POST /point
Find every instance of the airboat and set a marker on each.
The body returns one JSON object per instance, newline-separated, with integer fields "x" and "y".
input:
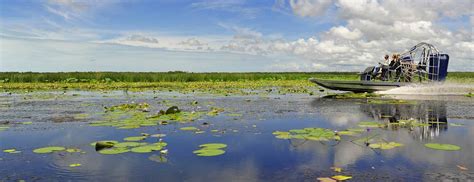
{"x": 423, "y": 63}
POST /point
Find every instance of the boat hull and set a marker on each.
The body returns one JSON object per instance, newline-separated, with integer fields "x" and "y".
{"x": 357, "y": 86}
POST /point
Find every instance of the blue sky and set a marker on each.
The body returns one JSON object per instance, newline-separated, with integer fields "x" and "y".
{"x": 226, "y": 35}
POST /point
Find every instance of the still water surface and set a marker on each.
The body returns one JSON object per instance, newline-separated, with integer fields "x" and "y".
{"x": 253, "y": 152}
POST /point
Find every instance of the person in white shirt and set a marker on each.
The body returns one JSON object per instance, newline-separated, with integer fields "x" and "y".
{"x": 385, "y": 65}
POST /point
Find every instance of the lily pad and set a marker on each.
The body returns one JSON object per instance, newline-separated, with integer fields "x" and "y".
{"x": 385, "y": 145}
{"x": 341, "y": 177}
{"x": 147, "y": 148}
{"x": 129, "y": 144}
{"x": 114, "y": 150}
{"x": 190, "y": 128}
{"x": 213, "y": 145}
{"x": 208, "y": 152}
{"x": 135, "y": 138}
{"x": 75, "y": 165}
{"x": 11, "y": 151}
{"x": 350, "y": 133}
{"x": 442, "y": 146}
{"x": 46, "y": 150}
{"x": 158, "y": 135}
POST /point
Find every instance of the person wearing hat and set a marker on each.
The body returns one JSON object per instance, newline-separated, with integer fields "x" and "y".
{"x": 385, "y": 65}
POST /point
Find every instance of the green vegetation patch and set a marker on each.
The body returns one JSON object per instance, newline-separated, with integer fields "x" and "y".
{"x": 385, "y": 145}
{"x": 11, "y": 151}
{"x": 316, "y": 134}
{"x": 46, "y": 150}
{"x": 442, "y": 146}
{"x": 128, "y": 107}
{"x": 189, "y": 128}
{"x": 135, "y": 138}
{"x": 370, "y": 124}
{"x": 210, "y": 149}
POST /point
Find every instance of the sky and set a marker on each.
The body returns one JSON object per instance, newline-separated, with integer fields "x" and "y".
{"x": 227, "y": 35}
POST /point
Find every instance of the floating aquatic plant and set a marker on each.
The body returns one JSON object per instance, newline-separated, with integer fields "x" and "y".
{"x": 317, "y": 134}
{"x": 189, "y": 128}
{"x": 46, "y": 150}
{"x": 129, "y": 144}
{"x": 114, "y": 150}
{"x": 135, "y": 138}
{"x": 149, "y": 148}
{"x": 341, "y": 177}
{"x": 128, "y": 107}
{"x": 215, "y": 111}
{"x": 385, "y": 145}
{"x": 210, "y": 149}
{"x": 11, "y": 151}
{"x": 442, "y": 146}
{"x": 75, "y": 165}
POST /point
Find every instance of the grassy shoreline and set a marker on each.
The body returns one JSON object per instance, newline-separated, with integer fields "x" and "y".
{"x": 186, "y": 82}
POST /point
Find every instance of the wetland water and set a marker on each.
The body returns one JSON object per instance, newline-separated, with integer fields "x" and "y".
{"x": 39, "y": 119}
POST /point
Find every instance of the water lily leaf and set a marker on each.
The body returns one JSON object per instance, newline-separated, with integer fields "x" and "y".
{"x": 75, "y": 165}
{"x": 11, "y": 151}
{"x": 213, "y": 145}
{"x": 341, "y": 177}
{"x": 215, "y": 111}
{"x": 350, "y": 133}
{"x": 358, "y": 130}
{"x": 298, "y": 131}
{"x": 135, "y": 138}
{"x": 385, "y": 145}
{"x": 190, "y": 128}
{"x": 114, "y": 150}
{"x": 158, "y": 135}
{"x": 129, "y": 144}
{"x": 326, "y": 179}
{"x": 46, "y": 150}
{"x": 441, "y": 146}
{"x": 129, "y": 127}
{"x": 208, "y": 152}
{"x": 370, "y": 124}
{"x": 337, "y": 169}
{"x": 147, "y": 148}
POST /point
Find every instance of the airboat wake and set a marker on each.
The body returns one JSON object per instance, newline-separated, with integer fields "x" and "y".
{"x": 422, "y": 64}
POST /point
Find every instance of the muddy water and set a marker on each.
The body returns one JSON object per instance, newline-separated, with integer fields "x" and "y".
{"x": 246, "y": 126}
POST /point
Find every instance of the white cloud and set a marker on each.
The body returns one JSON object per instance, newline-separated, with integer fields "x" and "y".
{"x": 343, "y": 32}
{"x": 310, "y": 7}
{"x": 372, "y": 29}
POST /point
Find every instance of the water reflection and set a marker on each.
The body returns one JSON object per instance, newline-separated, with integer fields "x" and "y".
{"x": 431, "y": 117}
